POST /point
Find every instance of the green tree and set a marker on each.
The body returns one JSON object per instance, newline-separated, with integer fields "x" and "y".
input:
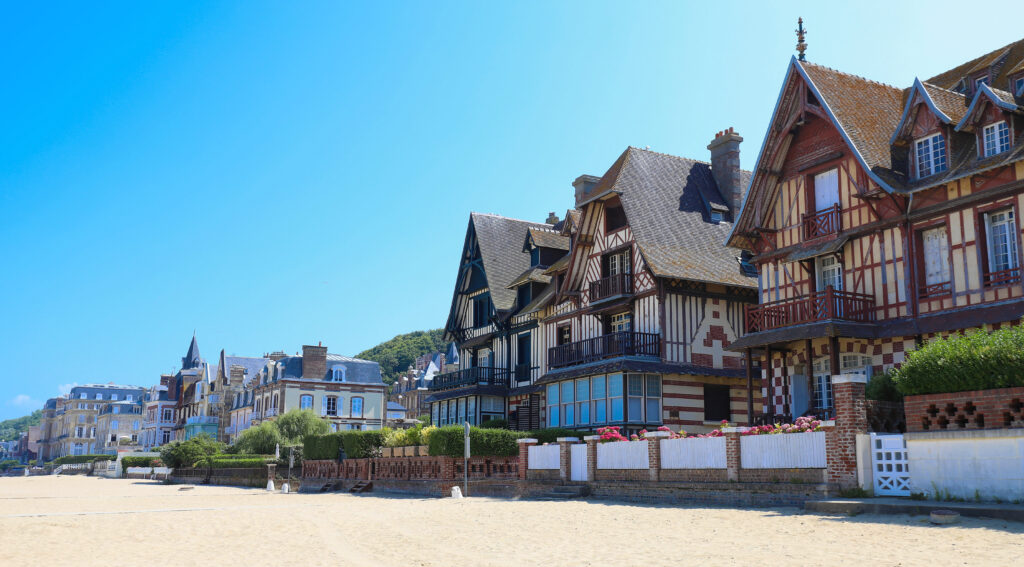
{"x": 11, "y": 429}
{"x": 297, "y": 424}
{"x": 395, "y": 355}
{"x": 189, "y": 453}
{"x": 260, "y": 440}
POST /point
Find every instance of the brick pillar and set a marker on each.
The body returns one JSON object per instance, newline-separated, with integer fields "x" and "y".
{"x": 564, "y": 457}
{"x": 654, "y": 453}
{"x": 733, "y": 462}
{"x": 592, "y": 441}
{"x": 851, "y": 420}
{"x": 524, "y": 456}
{"x": 448, "y": 468}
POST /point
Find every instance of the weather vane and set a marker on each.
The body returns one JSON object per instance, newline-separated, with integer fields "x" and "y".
{"x": 801, "y": 45}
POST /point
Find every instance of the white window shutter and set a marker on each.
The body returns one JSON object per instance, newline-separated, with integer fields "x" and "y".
{"x": 323, "y": 407}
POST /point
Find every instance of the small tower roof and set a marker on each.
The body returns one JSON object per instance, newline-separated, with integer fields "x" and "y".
{"x": 192, "y": 358}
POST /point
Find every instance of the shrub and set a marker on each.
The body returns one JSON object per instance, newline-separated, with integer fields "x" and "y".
{"x": 448, "y": 441}
{"x": 187, "y": 453}
{"x": 262, "y": 439}
{"x": 495, "y": 424}
{"x": 357, "y": 444}
{"x": 978, "y": 360}
{"x": 551, "y": 434}
{"x": 881, "y": 387}
{"x": 296, "y": 424}
{"x": 799, "y": 425}
{"x": 394, "y": 438}
{"x": 7, "y": 464}
{"x": 248, "y": 463}
{"x": 139, "y": 462}
{"x": 77, "y": 459}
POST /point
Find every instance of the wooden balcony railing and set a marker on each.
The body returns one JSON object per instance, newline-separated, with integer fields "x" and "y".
{"x": 821, "y": 223}
{"x": 1002, "y": 277}
{"x": 619, "y": 284}
{"x": 625, "y": 343}
{"x": 524, "y": 372}
{"x": 488, "y": 375}
{"x": 935, "y": 290}
{"x": 818, "y": 306}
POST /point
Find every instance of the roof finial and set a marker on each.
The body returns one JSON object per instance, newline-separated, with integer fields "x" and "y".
{"x": 801, "y": 45}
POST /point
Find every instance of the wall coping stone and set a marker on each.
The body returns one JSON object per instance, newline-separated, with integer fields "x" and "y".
{"x": 650, "y": 434}
{"x": 849, "y": 379}
{"x": 962, "y": 434}
{"x": 591, "y": 437}
{"x": 568, "y": 440}
{"x": 735, "y": 429}
{"x": 534, "y": 441}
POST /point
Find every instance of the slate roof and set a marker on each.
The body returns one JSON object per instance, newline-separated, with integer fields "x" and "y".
{"x": 1014, "y": 56}
{"x": 252, "y": 366}
{"x": 952, "y": 104}
{"x": 501, "y": 247}
{"x": 548, "y": 239}
{"x": 661, "y": 195}
{"x": 357, "y": 371}
{"x": 192, "y": 358}
{"x": 395, "y": 406}
{"x": 531, "y": 275}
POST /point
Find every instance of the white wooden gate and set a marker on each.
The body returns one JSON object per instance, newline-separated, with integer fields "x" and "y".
{"x": 578, "y": 462}
{"x": 889, "y": 465}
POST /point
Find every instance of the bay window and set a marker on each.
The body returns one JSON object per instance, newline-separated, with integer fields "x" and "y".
{"x": 615, "y": 404}
{"x": 568, "y": 408}
{"x": 583, "y": 401}
{"x": 599, "y": 403}
{"x": 552, "y": 399}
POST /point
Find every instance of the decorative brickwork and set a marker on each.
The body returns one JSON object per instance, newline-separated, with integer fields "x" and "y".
{"x": 982, "y": 409}
{"x": 851, "y": 420}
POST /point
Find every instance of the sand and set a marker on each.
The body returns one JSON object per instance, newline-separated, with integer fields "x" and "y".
{"x": 92, "y": 521}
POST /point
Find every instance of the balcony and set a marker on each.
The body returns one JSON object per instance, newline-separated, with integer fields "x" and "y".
{"x": 202, "y": 420}
{"x": 821, "y": 223}
{"x": 612, "y": 286}
{"x": 818, "y": 306}
{"x": 487, "y": 375}
{"x": 525, "y": 372}
{"x": 624, "y": 343}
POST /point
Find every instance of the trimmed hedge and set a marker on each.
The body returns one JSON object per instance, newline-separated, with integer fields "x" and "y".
{"x": 139, "y": 462}
{"x": 495, "y": 424}
{"x": 78, "y": 459}
{"x": 551, "y": 434}
{"x": 358, "y": 445}
{"x": 250, "y": 463}
{"x": 977, "y": 360}
{"x": 448, "y": 442}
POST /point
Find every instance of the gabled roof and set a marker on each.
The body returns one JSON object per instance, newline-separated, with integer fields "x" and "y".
{"x": 501, "y": 248}
{"x": 192, "y": 358}
{"x": 547, "y": 239}
{"x": 1011, "y": 56}
{"x": 252, "y": 366}
{"x": 536, "y": 274}
{"x": 663, "y": 197}
{"x": 1000, "y": 98}
{"x": 947, "y": 106}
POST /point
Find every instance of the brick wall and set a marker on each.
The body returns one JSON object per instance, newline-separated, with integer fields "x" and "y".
{"x": 983, "y": 409}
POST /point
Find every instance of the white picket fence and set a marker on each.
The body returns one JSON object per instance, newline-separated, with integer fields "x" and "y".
{"x": 543, "y": 457}
{"x": 783, "y": 451}
{"x": 623, "y": 455}
{"x": 693, "y": 453}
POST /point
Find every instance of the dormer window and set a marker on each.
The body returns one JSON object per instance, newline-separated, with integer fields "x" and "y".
{"x": 534, "y": 257}
{"x": 996, "y": 138}
{"x": 980, "y": 81}
{"x": 614, "y": 218}
{"x": 1018, "y": 84}
{"x": 931, "y": 155}
{"x": 716, "y": 217}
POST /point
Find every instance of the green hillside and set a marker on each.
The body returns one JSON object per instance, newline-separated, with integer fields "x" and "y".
{"x": 11, "y": 429}
{"x": 395, "y": 355}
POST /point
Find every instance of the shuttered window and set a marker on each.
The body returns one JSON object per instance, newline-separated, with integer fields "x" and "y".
{"x": 936, "y": 255}
{"x": 826, "y": 190}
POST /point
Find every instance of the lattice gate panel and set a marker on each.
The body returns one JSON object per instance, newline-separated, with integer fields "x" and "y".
{"x": 889, "y": 465}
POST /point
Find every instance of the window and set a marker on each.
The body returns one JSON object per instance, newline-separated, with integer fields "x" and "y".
{"x": 113, "y": 397}
{"x": 716, "y": 217}
{"x": 461, "y": 412}
{"x": 331, "y": 405}
{"x": 357, "y": 407}
{"x": 99, "y": 396}
{"x": 81, "y": 418}
{"x": 1018, "y": 85}
{"x": 82, "y": 396}
{"x": 996, "y": 138}
{"x": 491, "y": 407}
{"x": 524, "y": 294}
{"x": 568, "y": 407}
{"x": 936, "y": 260}
{"x": 617, "y": 263}
{"x": 826, "y": 190}
{"x": 931, "y": 155}
{"x": 615, "y": 404}
{"x": 115, "y": 424}
{"x": 433, "y": 413}
{"x": 168, "y": 415}
{"x": 564, "y": 334}
{"x": 306, "y": 402}
{"x": 471, "y": 410}
{"x": 614, "y": 218}
{"x": 129, "y": 397}
{"x": 481, "y": 310}
{"x": 583, "y": 401}
{"x": 716, "y": 402}
{"x": 135, "y": 425}
{"x": 1002, "y": 241}
{"x": 165, "y": 438}
{"x": 635, "y": 404}
{"x": 621, "y": 322}
{"x": 553, "y": 407}
{"x": 599, "y": 403}
{"x": 652, "y": 401}
{"x": 451, "y": 411}
{"x": 338, "y": 373}
{"x": 830, "y": 273}
{"x": 534, "y": 257}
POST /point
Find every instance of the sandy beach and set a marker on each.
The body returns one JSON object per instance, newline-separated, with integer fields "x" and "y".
{"x": 93, "y": 521}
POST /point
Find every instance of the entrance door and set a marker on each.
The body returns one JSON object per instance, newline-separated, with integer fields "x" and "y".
{"x": 889, "y": 467}
{"x": 801, "y": 395}
{"x": 578, "y": 462}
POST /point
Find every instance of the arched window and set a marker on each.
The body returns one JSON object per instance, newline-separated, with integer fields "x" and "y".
{"x": 257, "y": 406}
{"x": 338, "y": 373}
{"x": 274, "y": 405}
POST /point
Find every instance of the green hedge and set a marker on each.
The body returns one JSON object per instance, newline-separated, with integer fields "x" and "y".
{"x": 252, "y": 462}
{"x": 77, "y": 459}
{"x": 358, "y": 445}
{"x": 448, "y": 441}
{"x": 882, "y": 387}
{"x": 978, "y": 360}
{"x": 139, "y": 462}
{"x": 551, "y": 434}
{"x": 495, "y": 424}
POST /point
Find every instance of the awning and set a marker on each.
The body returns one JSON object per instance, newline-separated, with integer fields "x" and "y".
{"x": 828, "y": 247}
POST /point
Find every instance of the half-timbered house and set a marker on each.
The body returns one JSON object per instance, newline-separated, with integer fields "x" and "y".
{"x": 637, "y": 318}
{"x": 880, "y": 217}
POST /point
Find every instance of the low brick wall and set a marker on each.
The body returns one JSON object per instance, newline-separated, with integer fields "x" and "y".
{"x": 622, "y": 474}
{"x": 981, "y": 409}
{"x": 694, "y": 475}
{"x": 715, "y": 494}
{"x": 252, "y": 477}
{"x": 543, "y": 474}
{"x": 797, "y": 476}
{"x": 413, "y": 468}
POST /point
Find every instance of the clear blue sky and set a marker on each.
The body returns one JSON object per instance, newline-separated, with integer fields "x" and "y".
{"x": 274, "y": 174}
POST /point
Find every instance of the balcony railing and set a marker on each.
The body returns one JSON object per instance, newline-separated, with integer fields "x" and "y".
{"x": 1002, "y": 277}
{"x": 524, "y": 372}
{"x": 619, "y": 284}
{"x": 818, "y": 306}
{"x": 202, "y": 420}
{"x": 821, "y": 223}
{"x": 470, "y": 377}
{"x": 936, "y": 290}
{"x": 624, "y": 343}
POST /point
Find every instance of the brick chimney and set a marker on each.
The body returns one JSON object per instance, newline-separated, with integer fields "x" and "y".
{"x": 237, "y": 374}
{"x": 276, "y": 355}
{"x": 583, "y": 185}
{"x": 552, "y": 218}
{"x": 314, "y": 362}
{"x": 725, "y": 167}
{"x": 165, "y": 379}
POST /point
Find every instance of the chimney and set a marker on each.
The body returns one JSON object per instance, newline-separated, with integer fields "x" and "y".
{"x": 725, "y": 167}
{"x": 276, "y": 355}
{"x": 584, "y": 184}
{"x": 237, "y": 374}
{"x": 165, "y": 379}
{"x": 314, "y": 362}
{"x": 552, "y": 218}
